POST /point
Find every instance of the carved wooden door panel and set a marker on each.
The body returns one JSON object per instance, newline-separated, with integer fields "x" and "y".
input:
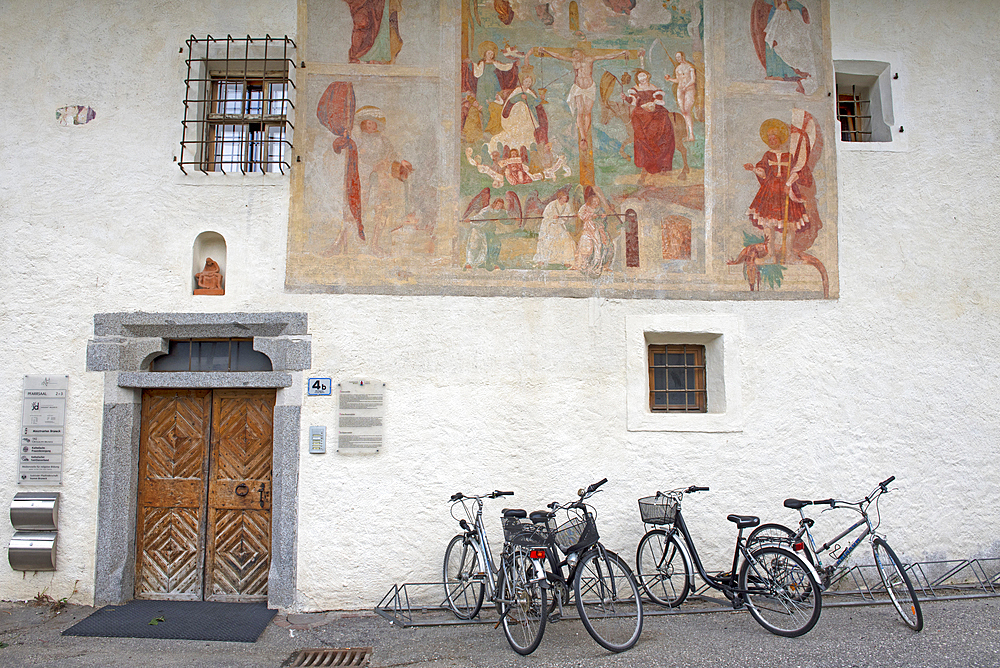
{"x": 204, "y": 512}
{"x": 239, "y": 496}
{"x": 173, "y": 466}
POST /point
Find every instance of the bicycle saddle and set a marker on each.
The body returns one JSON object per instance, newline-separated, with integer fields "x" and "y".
{"x": 744, "y": 521}
{"x": 540, "y": 516}
{"x": 514, "y": 513}
{"x": 796, "y": 504}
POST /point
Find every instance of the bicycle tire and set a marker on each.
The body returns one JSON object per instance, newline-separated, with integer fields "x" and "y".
{"x": 521, "y": 604}
{"x": 608, "y": 600}
{"x": 464, "y": 588}
{"x": 897, "y": 585}
{"x": 782, "y": 593}
{"x": 773, "y": 533}
{"x": 662, "y": 569}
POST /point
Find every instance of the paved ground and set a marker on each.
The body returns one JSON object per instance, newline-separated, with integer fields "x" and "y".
{"x": 958, "y": 633}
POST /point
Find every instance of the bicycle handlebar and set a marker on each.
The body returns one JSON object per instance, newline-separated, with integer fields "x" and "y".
{"x": 886, "y": 482}
{"x": 496, "y": 494}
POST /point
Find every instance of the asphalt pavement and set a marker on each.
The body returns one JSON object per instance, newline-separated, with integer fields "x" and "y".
{"x": 962, "y": 633}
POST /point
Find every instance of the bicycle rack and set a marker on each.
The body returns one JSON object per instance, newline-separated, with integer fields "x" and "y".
{"x": 422, "y": 603}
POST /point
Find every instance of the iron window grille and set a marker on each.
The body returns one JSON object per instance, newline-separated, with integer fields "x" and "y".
{"x": 237, "y": 105}
{"x": 211, "y": 355}
{"x": 853, "y": 112}
{"x": 677, "y": 381}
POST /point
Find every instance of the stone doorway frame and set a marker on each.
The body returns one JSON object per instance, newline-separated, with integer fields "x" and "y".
{"x": 123, "y": 346}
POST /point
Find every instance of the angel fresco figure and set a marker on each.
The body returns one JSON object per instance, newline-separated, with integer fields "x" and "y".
{"x": 781, "y": 37}
{"x": 375, "y": 35}
{"x": 482, "y": 250}
{"x": 784, "y": 208}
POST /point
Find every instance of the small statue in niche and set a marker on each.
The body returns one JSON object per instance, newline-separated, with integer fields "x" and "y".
{"x": 210, "y": 280}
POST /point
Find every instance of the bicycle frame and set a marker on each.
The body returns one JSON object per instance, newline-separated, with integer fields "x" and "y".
{"x": 722, "y": 584}
{"x": 480, "y": 542}
{"x": 846, "y": 553}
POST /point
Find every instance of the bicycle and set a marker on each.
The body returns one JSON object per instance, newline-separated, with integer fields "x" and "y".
{"x": 521, "y": 582}
{"x": 605, "y": 590}
{"x": 781, "y": 591}
{"x": 469, "y": 569}
{"x": 894, "y": 578}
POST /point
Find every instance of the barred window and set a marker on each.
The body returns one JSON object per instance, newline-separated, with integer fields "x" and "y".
{"x": 211, "y": 355}
{"x": 236, "y": 111}
{"x": 677, "y": 379}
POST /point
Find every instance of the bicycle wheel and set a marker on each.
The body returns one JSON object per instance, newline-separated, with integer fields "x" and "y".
{"x": 776, "y": 534}
{"x": 607, "y": 598}
{"x": 781, "y": 591}
{"x": 897, "y": 585}
{"x": 661, "y": 568}
{"x": 521, "y": 603}
{"x": 463, "y": 578}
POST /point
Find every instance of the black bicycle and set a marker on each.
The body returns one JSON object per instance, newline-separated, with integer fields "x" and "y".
{"x": 781, "y": 590}
{"x": 606, "y": 593}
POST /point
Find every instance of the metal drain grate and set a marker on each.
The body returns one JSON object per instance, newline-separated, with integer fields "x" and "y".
{"x": 327, "y": 656}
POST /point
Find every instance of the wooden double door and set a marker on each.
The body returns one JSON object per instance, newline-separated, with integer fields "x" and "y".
{"x": 203, "y": 529}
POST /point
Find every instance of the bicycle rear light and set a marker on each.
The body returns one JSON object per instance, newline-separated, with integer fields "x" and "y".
{"x": 537, "y": 553}
{"x": 799, "y": 546}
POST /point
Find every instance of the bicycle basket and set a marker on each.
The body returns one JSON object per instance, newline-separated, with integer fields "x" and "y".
{"x": 577, "y": 534}
{"x": 660, "y": 509}
{"x": 523, "y": 533}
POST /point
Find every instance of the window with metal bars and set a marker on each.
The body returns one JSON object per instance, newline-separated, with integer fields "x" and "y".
{"x": 211, "y": 355}
{"x": 237, "y": 107}
{"x": 854, "y": 113}
{"x": 677, "y": 379}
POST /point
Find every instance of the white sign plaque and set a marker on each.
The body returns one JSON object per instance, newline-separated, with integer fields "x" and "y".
{"x": 43, "y": 430}
{"x": 360, "y": 415}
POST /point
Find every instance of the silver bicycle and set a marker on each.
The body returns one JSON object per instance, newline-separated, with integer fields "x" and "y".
{"x": 470, "y": 573}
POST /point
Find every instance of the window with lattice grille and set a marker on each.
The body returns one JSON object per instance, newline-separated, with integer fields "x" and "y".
{"x": 677, "y": 381}
{"x": 238, "y": 105}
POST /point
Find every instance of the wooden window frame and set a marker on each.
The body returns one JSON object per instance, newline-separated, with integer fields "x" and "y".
{"x": 690, "y": 371}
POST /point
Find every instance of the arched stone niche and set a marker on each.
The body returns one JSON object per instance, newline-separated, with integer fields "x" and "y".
{"x": 208, "y": 259}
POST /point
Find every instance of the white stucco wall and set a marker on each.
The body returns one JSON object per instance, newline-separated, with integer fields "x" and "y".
{"x": 896, "y": 377}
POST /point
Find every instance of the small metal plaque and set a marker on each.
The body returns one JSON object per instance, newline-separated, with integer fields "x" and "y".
{"x": 360, "y": 414}
{"x": 317, "y": 440}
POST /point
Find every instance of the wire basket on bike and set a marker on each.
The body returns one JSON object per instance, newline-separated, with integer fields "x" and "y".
{"x": 660, "y": 509}
{"x": 524, "y": 533}
{"x": 577, "y": 534}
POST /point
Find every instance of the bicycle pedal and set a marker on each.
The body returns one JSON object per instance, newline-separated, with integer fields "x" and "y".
{"x": 555, "y": 618}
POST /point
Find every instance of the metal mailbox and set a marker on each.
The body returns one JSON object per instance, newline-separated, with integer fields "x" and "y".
{"x": 35, "y": 516}
{"x": 35, "y": 511}
{"x": 32, "y": 551}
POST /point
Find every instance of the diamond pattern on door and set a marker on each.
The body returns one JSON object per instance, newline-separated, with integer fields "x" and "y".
{"x": 239, "y": 508}
{"x": 171, "y": 509}
{"x": 204, "y": 512}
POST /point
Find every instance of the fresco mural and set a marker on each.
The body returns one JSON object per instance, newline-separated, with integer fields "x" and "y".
{"x": 560, "y": 149}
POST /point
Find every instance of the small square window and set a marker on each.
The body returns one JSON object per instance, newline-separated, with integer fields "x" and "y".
{"x": 677, "y": 381}
{"x": 864, "y": 101}
{"x": 236, "y": 113}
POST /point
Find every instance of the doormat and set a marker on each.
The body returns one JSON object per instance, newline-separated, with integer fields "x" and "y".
{"x": 177, "y": 620}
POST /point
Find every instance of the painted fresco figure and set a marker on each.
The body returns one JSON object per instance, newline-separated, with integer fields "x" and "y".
{"x": 492, "y": 78}
{"x": 375, "y": 36}
{"x": 483, "y": 248}
{"x": 383, "y": 180}
{"x": 685, "y": 78}
{"x": 594, "y": 251}
{"x": 555, "y": 244}
{"x": 522, "y": 117}
{"x": 652, "y": 130}
{"x": 780, "y": 33}
{"x": 583, "y": 92}
{"x": 784, "y": 208}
